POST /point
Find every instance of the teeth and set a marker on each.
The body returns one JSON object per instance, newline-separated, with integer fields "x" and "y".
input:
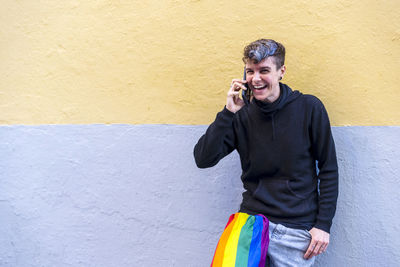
{"x": 258, "y": 87}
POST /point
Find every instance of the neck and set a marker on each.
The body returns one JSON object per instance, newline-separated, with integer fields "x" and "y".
{"x": 274, "y": 96}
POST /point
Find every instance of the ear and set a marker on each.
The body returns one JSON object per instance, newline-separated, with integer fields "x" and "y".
{"x": 283, "y": 70}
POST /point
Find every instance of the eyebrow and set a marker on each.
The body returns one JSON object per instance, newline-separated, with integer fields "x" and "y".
{"x": 266, "y": 67}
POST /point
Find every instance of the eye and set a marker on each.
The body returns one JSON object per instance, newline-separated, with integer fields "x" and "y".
{"x": 264, "y": 71}
{"x": 249, "y": 71}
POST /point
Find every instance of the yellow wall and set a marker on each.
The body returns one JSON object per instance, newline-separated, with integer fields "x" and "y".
{"x": 78, "y": 62}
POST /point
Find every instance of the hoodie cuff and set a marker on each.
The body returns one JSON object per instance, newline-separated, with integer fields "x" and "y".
{"x": 324, "y": 225}
{"x": 227, "y": 112}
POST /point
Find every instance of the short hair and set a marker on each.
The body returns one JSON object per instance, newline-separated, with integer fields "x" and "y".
{"x": 263, "y": 48}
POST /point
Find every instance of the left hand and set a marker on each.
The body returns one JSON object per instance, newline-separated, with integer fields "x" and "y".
{"x": 319, "y": 243}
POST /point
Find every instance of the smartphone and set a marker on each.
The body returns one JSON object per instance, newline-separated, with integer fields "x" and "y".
{"x": 246, "y": 94}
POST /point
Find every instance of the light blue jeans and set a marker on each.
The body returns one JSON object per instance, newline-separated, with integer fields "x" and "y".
{"x": 287, "y": 246}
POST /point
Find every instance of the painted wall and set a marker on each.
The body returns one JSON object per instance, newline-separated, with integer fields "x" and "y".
{"x": 125, "y": 195}
{"x": 172, "y": 61}
{"x": 101, "y": 103}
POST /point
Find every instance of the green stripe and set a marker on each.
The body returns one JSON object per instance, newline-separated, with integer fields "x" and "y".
{"x": 243, "y": 248}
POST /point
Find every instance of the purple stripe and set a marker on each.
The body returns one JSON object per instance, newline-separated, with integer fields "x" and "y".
{"x": 264, "y": 241}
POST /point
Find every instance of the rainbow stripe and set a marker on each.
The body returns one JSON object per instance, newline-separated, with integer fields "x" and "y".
{"x": 244, "y": 242}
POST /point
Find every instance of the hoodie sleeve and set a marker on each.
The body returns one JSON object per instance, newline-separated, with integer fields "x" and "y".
{"x": 324, "y": 152}
{"x": 217, "y": 142}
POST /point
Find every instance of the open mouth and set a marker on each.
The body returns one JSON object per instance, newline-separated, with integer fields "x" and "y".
{"x": 259, "y": 87}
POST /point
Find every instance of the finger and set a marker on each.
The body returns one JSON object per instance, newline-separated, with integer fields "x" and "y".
{"x": 313, "y": 249}
{"x": 233, "y": 93}
{"x": 317, "y": 248}
{"x": 309, "y": 250}
{"x": 234, "y": 97}
{"x": 239, "y": 80}
{"x": 237, "y": 86}
{"x": 323, "y": 248}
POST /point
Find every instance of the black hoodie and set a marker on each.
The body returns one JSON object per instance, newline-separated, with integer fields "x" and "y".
{"x": 279, "y": 144}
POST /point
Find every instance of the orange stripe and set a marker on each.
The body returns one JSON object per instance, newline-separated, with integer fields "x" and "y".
{"x": 219, "y": 251}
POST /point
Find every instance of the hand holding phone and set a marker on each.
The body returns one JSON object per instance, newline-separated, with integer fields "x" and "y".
{"x": 233, "y": 101}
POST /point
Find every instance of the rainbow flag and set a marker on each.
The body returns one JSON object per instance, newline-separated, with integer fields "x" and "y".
{"x": 244, "y": 242}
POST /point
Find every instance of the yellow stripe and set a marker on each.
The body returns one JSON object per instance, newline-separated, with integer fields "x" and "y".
{"x": 231, "y": 247}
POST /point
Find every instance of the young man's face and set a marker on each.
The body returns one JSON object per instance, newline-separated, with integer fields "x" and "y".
{"x": 263, "y": 79}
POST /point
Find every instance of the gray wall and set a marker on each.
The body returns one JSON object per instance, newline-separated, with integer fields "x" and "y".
{"x": 126, "y": 195}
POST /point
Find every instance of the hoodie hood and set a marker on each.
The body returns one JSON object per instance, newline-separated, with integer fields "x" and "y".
{"x": 286, "y": 96}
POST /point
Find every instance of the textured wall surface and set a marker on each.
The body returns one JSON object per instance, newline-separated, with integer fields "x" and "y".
{"x": 172, "y": 61}
{"x": 84, "y": 183}
{"x": 125, "y": 195}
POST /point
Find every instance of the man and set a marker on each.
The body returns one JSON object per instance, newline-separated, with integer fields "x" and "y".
{"x": 279, "y": 135}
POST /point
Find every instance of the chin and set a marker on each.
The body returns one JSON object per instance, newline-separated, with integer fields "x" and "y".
{"x": 261, "y": 97}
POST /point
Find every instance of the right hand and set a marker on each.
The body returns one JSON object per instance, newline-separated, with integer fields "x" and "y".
{"x": 233, "y": 101}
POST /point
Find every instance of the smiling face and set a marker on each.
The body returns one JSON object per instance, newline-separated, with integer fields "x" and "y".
{"x": 263, "y": 79}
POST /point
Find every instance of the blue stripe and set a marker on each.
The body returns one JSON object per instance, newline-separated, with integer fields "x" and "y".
{"x": 255, "y": 245}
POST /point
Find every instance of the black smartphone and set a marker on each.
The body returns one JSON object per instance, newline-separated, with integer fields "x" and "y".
{"x": 246, "y": 94}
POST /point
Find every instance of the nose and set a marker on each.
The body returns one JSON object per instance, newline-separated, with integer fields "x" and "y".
{"x": 256, "y": 76}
